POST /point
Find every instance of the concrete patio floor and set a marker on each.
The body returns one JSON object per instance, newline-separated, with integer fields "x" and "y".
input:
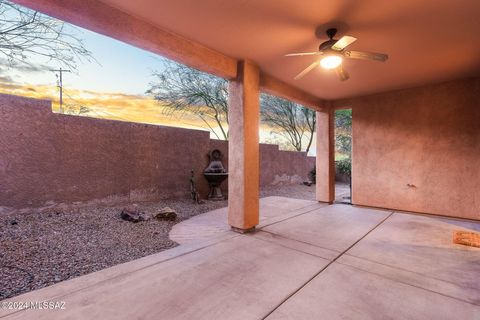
{"x": 306, "y": 261}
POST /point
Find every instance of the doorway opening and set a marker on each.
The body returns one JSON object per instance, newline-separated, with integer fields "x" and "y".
{"x": 343, "y": 156}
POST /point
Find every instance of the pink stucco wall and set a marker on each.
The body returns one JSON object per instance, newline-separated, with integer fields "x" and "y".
{"x": 47, "y": 158}
{"x": 419, "y": 149}
{"x": 276, "y": 166}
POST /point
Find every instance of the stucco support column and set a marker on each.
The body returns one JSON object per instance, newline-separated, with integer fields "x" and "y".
{"x": 243, "y": 148}
{"x": 325, "y": 159}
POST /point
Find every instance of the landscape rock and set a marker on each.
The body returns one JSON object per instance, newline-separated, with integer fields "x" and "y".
{"x": 27, "y": 259}
{"x": 166, "y": 213}
{"x": 133, "y": 214}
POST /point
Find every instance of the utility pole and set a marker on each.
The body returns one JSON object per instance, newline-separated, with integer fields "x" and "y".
{"x": 60, "y": 85}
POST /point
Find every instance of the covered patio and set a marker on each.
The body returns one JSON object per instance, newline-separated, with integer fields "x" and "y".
{"x": 307, "y": 260}
{"x": 415, "y": 116}
{"x": 416, "y": 148}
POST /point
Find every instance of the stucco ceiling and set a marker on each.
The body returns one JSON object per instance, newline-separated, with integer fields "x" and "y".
{"x": 427, "y": 40}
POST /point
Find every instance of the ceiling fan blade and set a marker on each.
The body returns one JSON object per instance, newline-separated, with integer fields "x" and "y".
{"x": 307, "y": 70}
{"x": 366, "y": 55}
{"x": 342, "y": 74}
{"x": 344, "y": 42}
{"x": 304, "y": 54}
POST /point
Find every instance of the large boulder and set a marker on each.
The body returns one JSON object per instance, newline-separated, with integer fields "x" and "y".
{"x": 133, "y": 214}
{"x": 166, "y": 213}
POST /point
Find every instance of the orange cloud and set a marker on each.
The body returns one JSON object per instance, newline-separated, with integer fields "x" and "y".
{"x": 116, "y": 106}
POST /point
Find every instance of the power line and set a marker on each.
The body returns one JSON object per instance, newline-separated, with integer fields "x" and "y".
{"x": 73, "y": 99}
{"x": 96, "y": 112}
{"x": 106, "y": 114}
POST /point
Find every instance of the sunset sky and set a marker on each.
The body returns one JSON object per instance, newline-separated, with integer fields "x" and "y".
{"x": 111, "y": 87}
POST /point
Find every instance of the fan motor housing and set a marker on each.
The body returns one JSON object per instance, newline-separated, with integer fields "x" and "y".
{"x": 327, "y": 44}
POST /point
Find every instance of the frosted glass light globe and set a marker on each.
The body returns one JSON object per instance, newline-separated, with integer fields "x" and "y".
{"x": 331, "y": 62}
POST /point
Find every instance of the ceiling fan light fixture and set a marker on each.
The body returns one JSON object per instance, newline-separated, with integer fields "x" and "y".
{"x": 331, "y": 62}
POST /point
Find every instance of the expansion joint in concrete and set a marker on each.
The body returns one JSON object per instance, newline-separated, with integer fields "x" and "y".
{"x": 325, "y": 267}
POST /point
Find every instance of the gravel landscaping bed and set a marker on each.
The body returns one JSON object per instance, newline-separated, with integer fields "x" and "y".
{"x": 45, "y": 246}
{"x": 40, "y": 248}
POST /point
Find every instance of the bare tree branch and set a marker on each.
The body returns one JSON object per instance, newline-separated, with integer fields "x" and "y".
{"x": 181, "y": 89}
{"x": 25, "y": 33}
{"x": 295, "y": 122}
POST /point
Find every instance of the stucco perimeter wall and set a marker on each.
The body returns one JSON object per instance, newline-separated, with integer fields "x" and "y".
{"x": 276, "y": 167}
{"x": 50, "y": 158}
{"x": 419, "y": 149}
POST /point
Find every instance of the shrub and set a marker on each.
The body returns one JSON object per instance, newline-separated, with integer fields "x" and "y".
{"x": 313, "y": 174}
{"x": 344, "y": 166}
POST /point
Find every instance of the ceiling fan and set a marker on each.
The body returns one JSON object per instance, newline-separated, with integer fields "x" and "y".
{"x": 333, "y": 51}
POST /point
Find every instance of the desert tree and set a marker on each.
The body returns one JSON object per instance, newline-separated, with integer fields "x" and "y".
{"x": 294, "y": 122}
{"x": 181, "y": 89}
{"x": 25, "y": 33}
{"x": 343, "y": 131}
